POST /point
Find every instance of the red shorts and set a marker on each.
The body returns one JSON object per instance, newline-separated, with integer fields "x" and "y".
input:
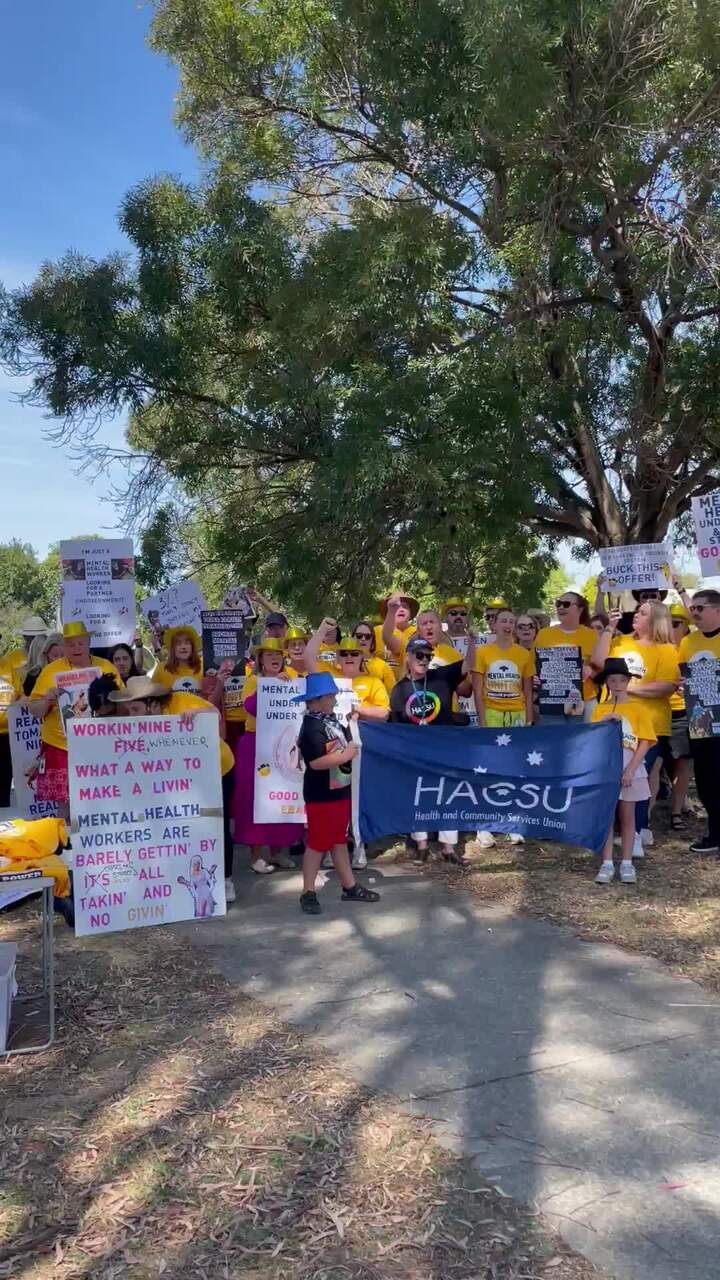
{"x": 327, "y": 823}
{"x": 52, "y": 781}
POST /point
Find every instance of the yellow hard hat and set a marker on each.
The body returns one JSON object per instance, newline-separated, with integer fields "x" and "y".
{"x": 296, "y": 633}
{"x": 72, "y": 629}
{"x": 679, "y": 611}
{"x": 171, "y": 633}
{"x": 497, "y": 602}
{"x": 349, "y": 644}
{"x": 270, "y": 644}
{"x": 455, "y": 602}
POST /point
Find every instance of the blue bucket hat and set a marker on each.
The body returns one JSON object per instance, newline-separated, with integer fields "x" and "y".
{"x": 317, "y": 684}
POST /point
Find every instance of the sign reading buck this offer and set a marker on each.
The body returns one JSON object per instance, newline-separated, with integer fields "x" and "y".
{"x": 647, "y": 564}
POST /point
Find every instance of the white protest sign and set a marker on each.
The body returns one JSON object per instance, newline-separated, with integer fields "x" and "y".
{"x": 72, "y": 687}
{"x": 24, "y": 732}
{"x": 278, "y": 767}
{"x": 177, "y": 606}
{"x": 706, "y": 518}
{"x": 647, "y": 564}
{"x": 98, "y": 588}
{"x": 146, "y": 801}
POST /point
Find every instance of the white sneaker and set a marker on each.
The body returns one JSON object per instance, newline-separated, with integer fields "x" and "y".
{"x": 229, "y": 891}
{"x": 282, "y": 859}
{"x": 647, "y": 837}
{"x": 485, "y": 839}
{"x": 627, "y": 873}
{"x": 359, "y": 858}
{"x": 327, "y": 862}
{"x": 262, "y": 868}
{"x": 606, "y": 873}
{"x": 638, "y": 851}
{"x": 516, "y": 839}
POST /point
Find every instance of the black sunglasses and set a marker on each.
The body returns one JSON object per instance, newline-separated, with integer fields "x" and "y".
{"x": 363, "y": 635}
{"x": 350, "y": 653}
{"x": 525, "y": 626}
{"x": 678, "y": 622}
{"x": 457, "y": 613}
{"x": 564, "y": 604}
{"x": 422, "y": 657}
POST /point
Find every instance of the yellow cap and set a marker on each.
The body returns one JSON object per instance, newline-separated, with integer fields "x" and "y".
{"x": 270, "y": 644}
{"x": 296, "y": 633}
{"x": 455, "y": 602}
{"x": 72, "y": 629}
{"x": 679, "y": 611}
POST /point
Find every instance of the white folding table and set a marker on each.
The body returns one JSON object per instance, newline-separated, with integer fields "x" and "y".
{"x": 14, "y": 891}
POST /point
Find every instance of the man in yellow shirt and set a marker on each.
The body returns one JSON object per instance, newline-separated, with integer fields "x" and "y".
{"x": 397, "y": 611}
{"x": 703, "y": 645}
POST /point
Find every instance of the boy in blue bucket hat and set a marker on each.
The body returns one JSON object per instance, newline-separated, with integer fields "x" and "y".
{"x": 327, "y": 752}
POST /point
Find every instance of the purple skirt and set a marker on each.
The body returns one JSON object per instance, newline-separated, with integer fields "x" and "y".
{"x": 247, "y": 831}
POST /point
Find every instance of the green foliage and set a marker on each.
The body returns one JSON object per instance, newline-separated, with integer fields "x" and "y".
{"x": 27, "y": 585}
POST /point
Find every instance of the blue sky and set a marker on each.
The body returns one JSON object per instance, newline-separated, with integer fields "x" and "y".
{"x": 85, "y": 113}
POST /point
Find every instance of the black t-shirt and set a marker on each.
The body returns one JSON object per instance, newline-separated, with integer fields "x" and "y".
{"x": 428, "y": 701}
{"x": 318, "y": 736}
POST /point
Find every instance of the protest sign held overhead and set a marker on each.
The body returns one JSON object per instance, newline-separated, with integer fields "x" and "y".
{"x": 520, "y": 781}
{"x": 24, "y": 732}
{"x": 635, "y": 567}
{"x": 278, "y": 771}
{"x": 559, "y": 670}
{"x": 181, "y": 605}
{"x": 238, "y": 598}
{"x": 706, "y": 518}
{"x": 223, "y": 637}
{"x": 98, "y": 588}
{"x": 702, "y": 695}
{"x": 146, "y": 800}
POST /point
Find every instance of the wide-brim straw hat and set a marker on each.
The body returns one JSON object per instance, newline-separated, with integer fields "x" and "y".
{"x": 138, "y": 688}
{"x": 412, "y": 604}
{"x": 34, "y": 626}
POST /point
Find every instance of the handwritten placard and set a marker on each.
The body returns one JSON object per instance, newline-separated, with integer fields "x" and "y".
{"x": 646, "y": 564}
{"x": 706, "y": 518}
{"x": 24, "y": 732}
{"x": 146, "y": 801}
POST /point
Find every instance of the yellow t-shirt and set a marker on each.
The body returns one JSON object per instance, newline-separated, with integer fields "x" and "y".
{"x": 650, "y": 662}
{"x": 381, "y": 670}
{"x": 31, "y": 846}
{"x": 503, "y": 672}
{"x": 232, "y": 697}
{"x": 582, "y": 638}
{"x": 16, "y": 658}
{"x": 370, "y": 691}
{"x": 637, "y": 721}
{"x": 178, "y": 703}
{"x": 183, "y": 680}
{"x": 696, "y": 645}
{"x": 10, "y": 689}
{"x": 387, "y": 654}
{"x": 51, "y": 730}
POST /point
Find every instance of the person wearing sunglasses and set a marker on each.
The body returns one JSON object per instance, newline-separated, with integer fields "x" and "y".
{"x": 455, "y": 615}
{"x": 491, "y": 611}
{"x": 424, "y": 697}
{"x": 364, "y": 634}
{"x": 526, "y": 629}
{"x": 677, "y": 755}
{"x": 575, "y": 631}
{"x": 703, "y": 645}
{"x": 372, "y": 698}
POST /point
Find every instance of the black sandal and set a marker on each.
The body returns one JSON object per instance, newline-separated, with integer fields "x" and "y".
{"x": 677, "y": 822}
{"x": 359, "y": 893}
{"x": 457, "y": 859}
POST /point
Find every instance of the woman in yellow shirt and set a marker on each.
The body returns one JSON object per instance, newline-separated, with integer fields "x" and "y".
{"x": 503, "y": 678}
{"x": 52, "y": 779}
{"x": 653, "y": 662}
{"x": 364, "y": 634}
{"x": 575, "y": 631}
{"x": 182, "y": 670}
{"x": 638, "y": 737}
{"x": 276, "y": 836}
{"x": 373, "y": 699}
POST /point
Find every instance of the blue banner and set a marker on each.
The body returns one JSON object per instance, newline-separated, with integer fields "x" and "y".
{"x": 560, "y": 783}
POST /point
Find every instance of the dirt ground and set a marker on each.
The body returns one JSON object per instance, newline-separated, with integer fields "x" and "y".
{"x": 180, "y": 1129}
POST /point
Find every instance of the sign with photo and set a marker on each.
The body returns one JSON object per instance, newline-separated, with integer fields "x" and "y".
{"x": 702, "y": 695}
{"x": 98, "y": 588}
{"x": 223, "y": 638}
{"x": 73, "y": 699}
{"x": 181, "y": 605}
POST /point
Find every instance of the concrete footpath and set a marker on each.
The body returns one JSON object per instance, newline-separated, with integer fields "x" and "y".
{"x": 579, "y": 1078}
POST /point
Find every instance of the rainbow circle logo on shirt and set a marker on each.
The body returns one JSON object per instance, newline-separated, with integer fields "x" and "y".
{"x": 423, "y": 707}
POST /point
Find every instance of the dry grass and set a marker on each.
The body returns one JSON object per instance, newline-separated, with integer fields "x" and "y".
{"x": 672, "y": 913}
{"x": 180, "y": 1129}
